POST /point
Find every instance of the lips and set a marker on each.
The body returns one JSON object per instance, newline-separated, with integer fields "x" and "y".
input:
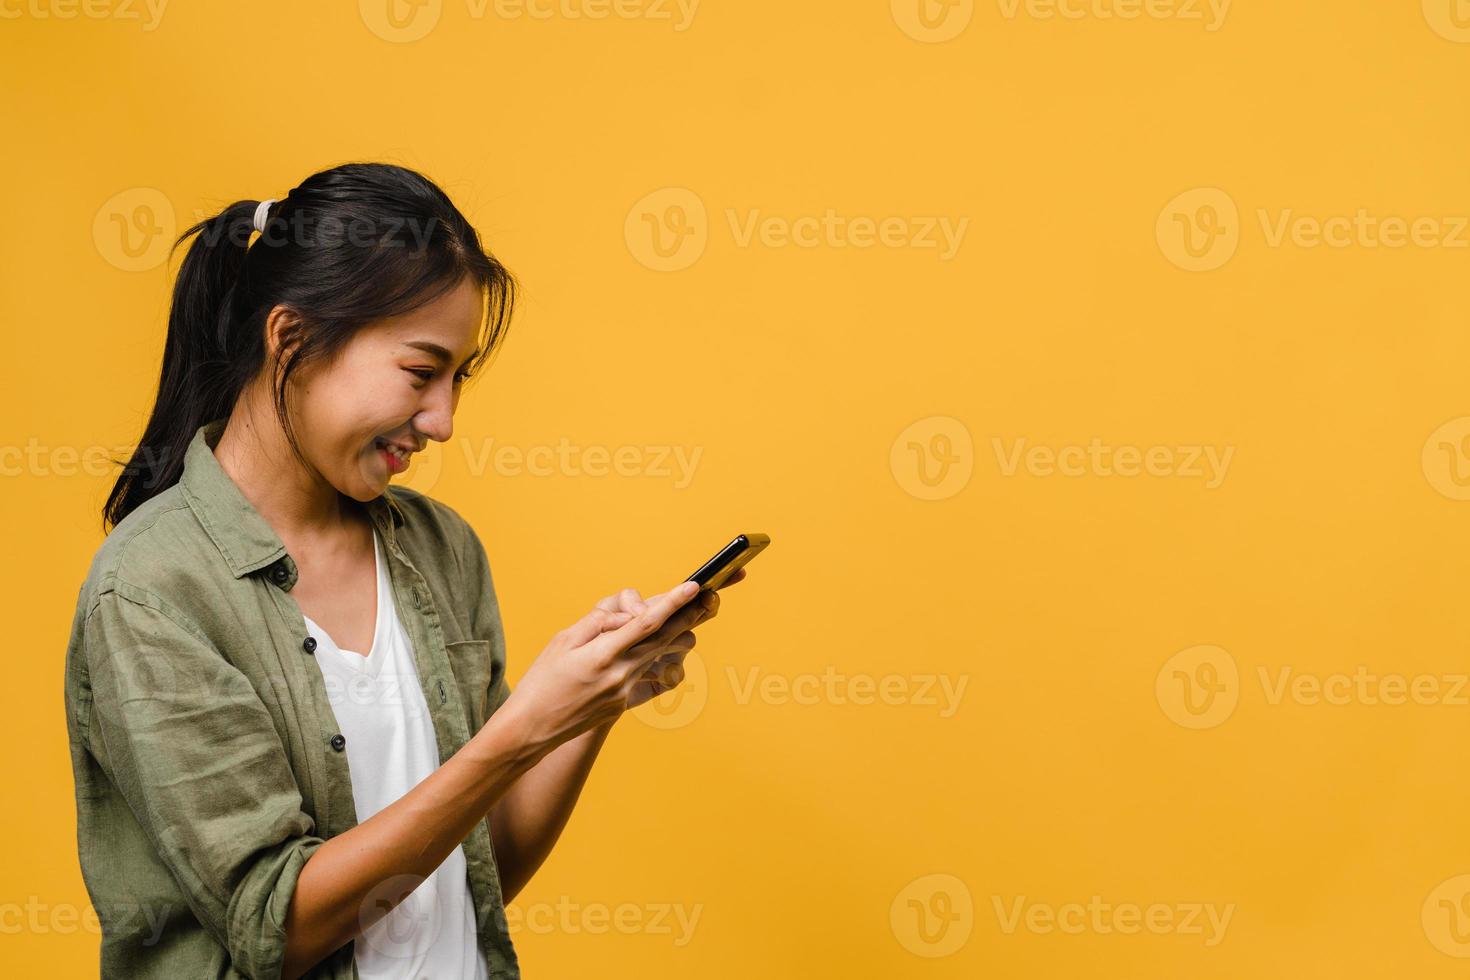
{"x": 397, "y": 452}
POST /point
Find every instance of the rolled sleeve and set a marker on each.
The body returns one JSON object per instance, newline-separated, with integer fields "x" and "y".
{"x": 191, "y": 747}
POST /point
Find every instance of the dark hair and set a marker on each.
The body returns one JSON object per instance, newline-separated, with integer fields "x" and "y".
{"x": 350, "y": 245}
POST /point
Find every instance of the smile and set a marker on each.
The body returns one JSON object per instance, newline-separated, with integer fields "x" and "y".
{"x": 396, "y": 456}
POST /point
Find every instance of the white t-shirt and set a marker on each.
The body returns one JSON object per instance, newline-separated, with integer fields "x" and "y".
{"x": 381, "y": 711}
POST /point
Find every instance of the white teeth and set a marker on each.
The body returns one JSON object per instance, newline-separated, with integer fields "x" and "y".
{"x": 397, "y": 453}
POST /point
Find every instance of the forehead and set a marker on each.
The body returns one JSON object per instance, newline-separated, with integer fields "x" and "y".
{"x": 451, "y": 322}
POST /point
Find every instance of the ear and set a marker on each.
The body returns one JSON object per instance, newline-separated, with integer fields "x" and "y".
{"x": 282, "y": 326}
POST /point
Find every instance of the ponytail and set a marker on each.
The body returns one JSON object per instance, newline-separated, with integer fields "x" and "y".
{"x": 202, "y": 358}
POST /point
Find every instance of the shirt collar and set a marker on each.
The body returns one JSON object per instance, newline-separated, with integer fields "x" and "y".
{"x": 243, "y": 537}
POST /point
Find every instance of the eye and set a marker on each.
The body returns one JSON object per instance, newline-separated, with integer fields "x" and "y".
{"x": 428, "y": 375}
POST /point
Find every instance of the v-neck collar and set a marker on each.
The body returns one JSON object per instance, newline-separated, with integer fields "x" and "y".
{"x": 370, "y": 662}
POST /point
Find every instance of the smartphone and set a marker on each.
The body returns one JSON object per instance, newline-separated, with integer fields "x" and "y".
{"x": 728, "y": 560}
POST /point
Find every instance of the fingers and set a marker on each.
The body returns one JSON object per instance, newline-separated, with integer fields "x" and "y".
{"x": 739, "y": 576}
{"x": 646, "y": 627}
{"x": 687, "y": 617}
{"x": 626, "y": 600}
{"x": 668, "y": 674}
{"x": 655, "y": 613}
{"x": 676, "y": 628}
{"x": 667, "y": 669}
{"x": 598, "y": 621}
{"x": 675, "y": 649}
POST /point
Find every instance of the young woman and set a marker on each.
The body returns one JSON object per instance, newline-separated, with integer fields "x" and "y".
{"x": 294, "y": 747}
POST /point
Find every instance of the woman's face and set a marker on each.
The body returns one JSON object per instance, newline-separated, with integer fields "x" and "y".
{"x": 396, "y": 383}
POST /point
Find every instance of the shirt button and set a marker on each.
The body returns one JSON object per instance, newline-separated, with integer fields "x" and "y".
{"x": 338, "y": 742}
{"x": 416, "y": 601}
{"x": 309, "y": 644}
{"x": 279, "y": 574}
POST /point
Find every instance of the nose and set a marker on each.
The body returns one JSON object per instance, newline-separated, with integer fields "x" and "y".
{"x": 435, "y": 418}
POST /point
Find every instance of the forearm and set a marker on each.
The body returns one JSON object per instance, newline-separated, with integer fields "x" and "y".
{"x": 529, "y": 818}
{"x": 411, "y": 836}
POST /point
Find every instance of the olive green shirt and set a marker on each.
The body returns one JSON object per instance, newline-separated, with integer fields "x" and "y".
{"x": 206, "y": 756}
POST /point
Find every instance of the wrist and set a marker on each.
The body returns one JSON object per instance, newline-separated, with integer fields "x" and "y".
{"x": 510, "y": 736}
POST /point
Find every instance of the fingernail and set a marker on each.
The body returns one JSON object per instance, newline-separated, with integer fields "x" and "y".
{"x": 688, "y": 589}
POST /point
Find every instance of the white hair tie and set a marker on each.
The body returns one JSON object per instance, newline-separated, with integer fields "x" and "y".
{"x": 260, "y": 213}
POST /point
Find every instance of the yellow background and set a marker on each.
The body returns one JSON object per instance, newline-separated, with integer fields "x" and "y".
{"x": 799, "y": 832}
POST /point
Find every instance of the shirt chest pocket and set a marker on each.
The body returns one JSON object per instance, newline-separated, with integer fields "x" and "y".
{"x": 474, "y": 675}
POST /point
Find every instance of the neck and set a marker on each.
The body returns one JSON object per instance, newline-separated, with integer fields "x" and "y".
{"x": 293, "y": 498}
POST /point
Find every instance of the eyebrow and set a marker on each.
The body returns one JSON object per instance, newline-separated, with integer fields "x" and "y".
{"x": 442, "y": 354}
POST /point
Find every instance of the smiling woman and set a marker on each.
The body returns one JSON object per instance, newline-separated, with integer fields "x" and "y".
{"x": 297, "y": 296}
{"x": 291, "y": 733}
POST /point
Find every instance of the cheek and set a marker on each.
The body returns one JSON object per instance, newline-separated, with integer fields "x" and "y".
{"x": 344, "y": 418}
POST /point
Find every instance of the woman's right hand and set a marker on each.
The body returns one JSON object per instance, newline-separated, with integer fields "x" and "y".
{"x": 587, "y": 673}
